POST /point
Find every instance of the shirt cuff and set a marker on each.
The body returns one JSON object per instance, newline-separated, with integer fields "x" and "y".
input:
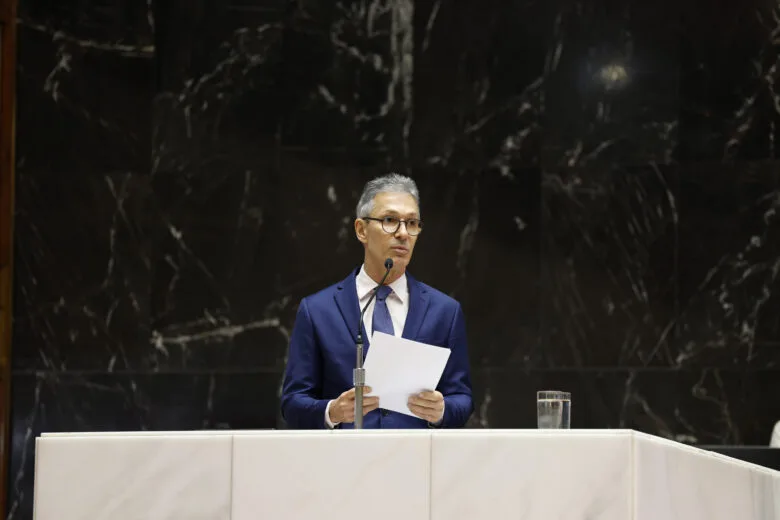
{"x": 327, "y": 417}
{"x": 438, "y": 423}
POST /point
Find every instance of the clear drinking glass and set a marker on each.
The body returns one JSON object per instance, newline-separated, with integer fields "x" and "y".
{"x": 553, "y": 410}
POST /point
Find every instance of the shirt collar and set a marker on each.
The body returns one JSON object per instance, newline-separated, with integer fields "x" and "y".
{"x": 365, "y": 285}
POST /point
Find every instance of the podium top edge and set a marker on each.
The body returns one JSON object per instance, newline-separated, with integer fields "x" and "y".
{"x": 462, "y": 431}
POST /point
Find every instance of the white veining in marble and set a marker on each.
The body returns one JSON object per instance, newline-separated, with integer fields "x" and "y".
{"x": 378, "y": 475}
{"x": 531, "y": 475}
{"x": 133, "y": 477}
{"x": 678, "y": 481}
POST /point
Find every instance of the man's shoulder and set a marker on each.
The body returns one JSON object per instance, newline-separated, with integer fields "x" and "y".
{"x": 325, "y": 296}
{"x": 436, "y": 296}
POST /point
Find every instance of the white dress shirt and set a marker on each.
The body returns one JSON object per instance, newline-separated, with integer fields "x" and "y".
{"x": 397, "y": 301}
{"x": 397, "y": 304}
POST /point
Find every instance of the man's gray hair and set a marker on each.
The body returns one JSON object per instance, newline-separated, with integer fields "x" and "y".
{"x": 391, "y": 183}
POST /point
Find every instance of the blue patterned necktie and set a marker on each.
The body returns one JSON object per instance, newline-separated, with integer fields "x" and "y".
{"x": 381, "y": 320}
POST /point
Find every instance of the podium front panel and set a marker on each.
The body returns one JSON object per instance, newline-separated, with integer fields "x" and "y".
{"x": 414, "y": 475}
{"x": 678, "y": 481}
{"x": 133, "y": 477}
{"x": 531, "y": 475}
{"x": 332, "y": 475}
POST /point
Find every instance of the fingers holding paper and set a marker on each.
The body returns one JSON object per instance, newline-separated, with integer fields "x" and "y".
{"x": 427, "y": 405}
{"x": 343, "y": 408}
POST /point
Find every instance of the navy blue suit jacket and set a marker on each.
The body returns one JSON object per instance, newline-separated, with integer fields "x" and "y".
{"x": 322, "y": 355}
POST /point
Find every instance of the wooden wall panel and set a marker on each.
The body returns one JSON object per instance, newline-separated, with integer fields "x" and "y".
{"x": 7, "y": 115}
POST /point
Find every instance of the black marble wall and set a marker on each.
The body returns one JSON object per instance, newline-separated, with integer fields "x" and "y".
{"x": 599, "y": 183}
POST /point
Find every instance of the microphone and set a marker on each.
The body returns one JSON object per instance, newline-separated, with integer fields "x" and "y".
{"x": 359, "y": 373}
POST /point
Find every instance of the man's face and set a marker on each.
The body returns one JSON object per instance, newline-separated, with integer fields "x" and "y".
{"x": 379, "y": 243}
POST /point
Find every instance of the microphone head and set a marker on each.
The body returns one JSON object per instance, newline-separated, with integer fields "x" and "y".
{"x": 389, "y": 264}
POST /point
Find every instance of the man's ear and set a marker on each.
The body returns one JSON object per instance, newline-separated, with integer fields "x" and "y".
{"x": 360, "y": 230}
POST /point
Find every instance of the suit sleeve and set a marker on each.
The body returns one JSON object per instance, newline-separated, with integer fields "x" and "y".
{"x": 455, "y": 383}
{"x": 301, "y": 406}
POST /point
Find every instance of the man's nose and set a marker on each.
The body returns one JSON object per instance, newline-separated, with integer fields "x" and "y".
{"x": 401, "y": 231}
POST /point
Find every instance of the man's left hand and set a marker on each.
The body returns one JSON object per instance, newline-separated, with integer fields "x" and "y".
{"x": 428, "y": 405}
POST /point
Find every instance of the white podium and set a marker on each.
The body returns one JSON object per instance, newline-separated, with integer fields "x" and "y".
{"x": 410, "y": 475}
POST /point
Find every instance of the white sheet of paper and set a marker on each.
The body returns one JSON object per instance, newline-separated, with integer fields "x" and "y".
{"x": 398, "y": 367}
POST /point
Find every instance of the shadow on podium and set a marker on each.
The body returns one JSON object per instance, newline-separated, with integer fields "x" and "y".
{"x": 761, "y": 455}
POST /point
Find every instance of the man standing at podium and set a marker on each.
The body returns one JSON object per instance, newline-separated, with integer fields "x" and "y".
{"x": 317, "y": 390}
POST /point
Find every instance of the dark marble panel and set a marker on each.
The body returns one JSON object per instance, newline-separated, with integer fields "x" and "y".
{"x": 609, "y": 260}
{"x": 481, "y": 246}
{"x": 84, "y": 88}
{"x": 478, "y": 83}
{"x": 301, "y": 101}
{"x": 82, "y": 271}
{"x": 612, "y": 83}
{"x": 729, "y": 262}
{"x": 85, "y": 72}
{"x": 347, "y": 76}
{"x": 672, "y": 267}
{"x": 217, "y": 83}
{"x": 302, "y": 76}
{"x": 234, "y": 260}
{"x": 124, "y": 22}
{"x": 51, "y": 402}
{"x": 728, "y": 80}
{"x": 697, "y": 406}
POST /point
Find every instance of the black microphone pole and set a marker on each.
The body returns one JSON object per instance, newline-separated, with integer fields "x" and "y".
{"x": 359, "y": 373}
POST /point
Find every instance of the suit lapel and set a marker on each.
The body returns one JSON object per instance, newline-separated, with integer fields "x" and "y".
{"x": 418, "y": 306}
{"x": 347, "y": 302}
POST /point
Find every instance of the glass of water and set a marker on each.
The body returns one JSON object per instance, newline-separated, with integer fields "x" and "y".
{"x": 553, "y": 410}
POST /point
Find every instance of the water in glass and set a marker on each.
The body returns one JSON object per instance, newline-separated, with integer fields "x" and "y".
{"x": 553, "y": 411}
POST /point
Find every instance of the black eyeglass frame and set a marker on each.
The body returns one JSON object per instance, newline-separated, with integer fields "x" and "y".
{"x": 400, "y": 220}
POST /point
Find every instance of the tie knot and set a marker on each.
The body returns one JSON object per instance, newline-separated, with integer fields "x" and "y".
{"x": 383, "y": 293}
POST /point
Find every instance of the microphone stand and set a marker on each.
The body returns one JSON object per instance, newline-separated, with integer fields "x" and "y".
{"x": 359, "y": 373}
{"x": 359, "y": 381}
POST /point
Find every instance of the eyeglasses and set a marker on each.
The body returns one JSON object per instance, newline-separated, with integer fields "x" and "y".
{"x": 392, "y": 224}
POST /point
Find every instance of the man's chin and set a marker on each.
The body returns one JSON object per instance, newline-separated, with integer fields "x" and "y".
{"x": 399, "y": 262}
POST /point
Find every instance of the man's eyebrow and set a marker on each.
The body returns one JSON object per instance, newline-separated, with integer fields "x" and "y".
{"x": 394, "y": 213}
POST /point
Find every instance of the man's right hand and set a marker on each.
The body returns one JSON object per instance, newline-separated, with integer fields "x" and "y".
{"x": 342, "y": 410}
